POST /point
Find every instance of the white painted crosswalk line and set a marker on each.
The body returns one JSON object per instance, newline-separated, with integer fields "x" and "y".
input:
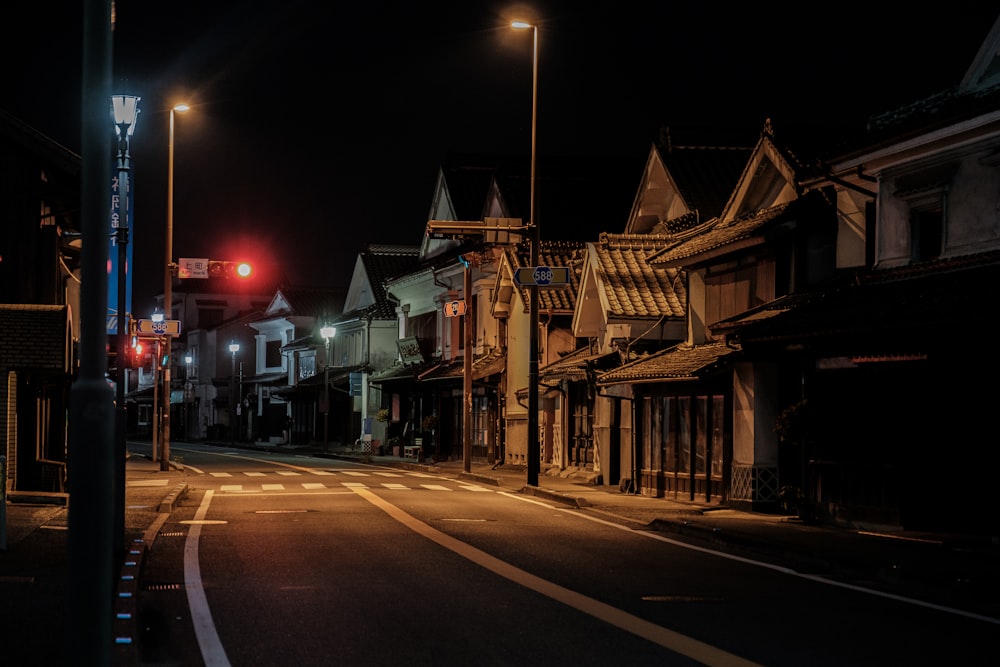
{"x": 355, "y": 484}
{"x": 251, "y": 473}
{"x": 221, "y": 474}
{"x": 313, "y": 485}
{"x": 289, "y": 473}
{"x": 322, "y": 472}
{"x": 272, "y": 487}
{"x": 390, "y": 485}
{"x": 421, "y": 474}
{"x": 355, "y": 473}
{"x": 474, "y": 488}
{"x": 231, "y": 487}
{"x": 435, "y": 487}
{"x": 388, "y": 474}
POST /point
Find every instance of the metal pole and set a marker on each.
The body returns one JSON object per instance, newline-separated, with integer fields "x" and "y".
{"x": 326, "y": 400}
{"x": 232, "y": 404}
{"x": 121, "y": 241}
{"x": 168, "y": 300}
{"x": 91, "y": 400}
{"x": 534, "y": 453}
{"x": 156, "y": 400}
{"x": 467, "y": 371}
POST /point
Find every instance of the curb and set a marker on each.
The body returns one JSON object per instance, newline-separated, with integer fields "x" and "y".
{"x": 167, "y": 504}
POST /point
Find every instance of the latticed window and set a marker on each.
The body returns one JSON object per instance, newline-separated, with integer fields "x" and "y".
{"x": 582, "y": 425}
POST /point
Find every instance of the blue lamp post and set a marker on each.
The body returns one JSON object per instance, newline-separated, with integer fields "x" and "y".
{"x": 124, "y": 111}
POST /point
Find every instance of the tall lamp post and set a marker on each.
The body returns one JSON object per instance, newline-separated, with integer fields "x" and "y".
{"x": 234, "y": 347}
{"x": 168, "y": 297}
{"x": 534, "y": 452}
{"x": 328, "y": 332}
{"x": 124, "y": 111}
{"x": 188, "y": 391}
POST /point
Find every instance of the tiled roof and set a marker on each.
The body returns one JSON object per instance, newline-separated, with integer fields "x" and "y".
{"x": 483, "y": 367}
{"x": 570, "y": 254}
{"x": 577, "y": 364}
{"x": 634, "y": 286}
{"x": 490, "y": 364}
{"x": 705, "y": 175}
{"x": 718, "y": 234}
{"x": 901, "y": 309}
{"x": 383, "y": 262}
{"x": 445, "y": 370}
{"x": 681, "y": 362}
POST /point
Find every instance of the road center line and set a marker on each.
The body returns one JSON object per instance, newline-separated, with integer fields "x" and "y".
{"x": 674, "y": 641}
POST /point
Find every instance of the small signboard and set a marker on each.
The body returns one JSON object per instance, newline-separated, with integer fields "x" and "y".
{"x": 454, "y": 308}
{"x": 159, "y": 328}
{"x": 192, "y": 267}
{"x": 542, "y": 276}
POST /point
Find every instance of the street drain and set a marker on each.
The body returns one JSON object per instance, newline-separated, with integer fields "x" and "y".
{"x": 175, "y": 533}
{"x": 164, "y": 587}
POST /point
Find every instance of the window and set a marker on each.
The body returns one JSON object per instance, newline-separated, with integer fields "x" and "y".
{"x": 209, "y": 318}
{"x": 581, "y": 425}
{"x": 926, "y": 193}
{"x": 272, "y": 354}
{"x": 927, "y": 230}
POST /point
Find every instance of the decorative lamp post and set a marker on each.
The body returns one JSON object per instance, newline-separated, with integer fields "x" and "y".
{"x": 124, "y": 112}
{"x": 188, "y": 391}
{"x": 328, "y": 332}
{"x": 168, "y": 297}
{"x": 534, "y": 452}
{"x": 234, "y": 347}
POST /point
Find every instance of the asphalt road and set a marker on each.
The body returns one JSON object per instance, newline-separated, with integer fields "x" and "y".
{"x": 275, "y": 559}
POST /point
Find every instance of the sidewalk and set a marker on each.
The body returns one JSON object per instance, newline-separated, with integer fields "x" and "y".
{"x": 958, "y": 571}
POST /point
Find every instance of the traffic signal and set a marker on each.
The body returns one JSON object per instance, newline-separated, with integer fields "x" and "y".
{"x": 133, "y": 356}
{"x": 226, "y": 269}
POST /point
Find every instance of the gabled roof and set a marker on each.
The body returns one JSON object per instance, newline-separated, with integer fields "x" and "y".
{"x": 308, "y": 301}
{"x": 576, "y": 197}
{"x": 633, "y": 286}
{"x": 376, "y": 265}
{"x": 721, "y": 237}
{"x": 681, "y": 362}
{"x": 771, "y": 176}
{"x": 978, "y": 93}
{"x": 685, "y": 180}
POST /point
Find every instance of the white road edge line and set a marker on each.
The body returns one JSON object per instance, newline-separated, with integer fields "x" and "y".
{"x": 778, "y": 568}
{"x": 208, "y": 639}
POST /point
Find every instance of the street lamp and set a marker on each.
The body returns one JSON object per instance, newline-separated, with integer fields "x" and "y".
{"x": 168, "y": 297}
{"x": 188, "y": 390}
{"x": 234, "y": 347}
{"x": 328, "y": 332}
{"x": 124, "y": 113}
{"x": 534, "y": 452}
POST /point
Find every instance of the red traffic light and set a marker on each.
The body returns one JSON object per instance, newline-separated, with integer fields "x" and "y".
{"x": 226, "y": 269}
{"x": 243, "y": 270}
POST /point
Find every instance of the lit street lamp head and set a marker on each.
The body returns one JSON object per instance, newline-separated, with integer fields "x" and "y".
{"x": 124, "y": 113}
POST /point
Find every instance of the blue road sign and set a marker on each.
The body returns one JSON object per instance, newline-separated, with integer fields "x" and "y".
{"x": 542, "y": 276}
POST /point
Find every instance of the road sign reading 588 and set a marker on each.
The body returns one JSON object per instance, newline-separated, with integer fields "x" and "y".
{"x": 542, "y": 276}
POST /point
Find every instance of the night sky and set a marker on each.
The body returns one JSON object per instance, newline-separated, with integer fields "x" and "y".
{"x": 319, "y": 126}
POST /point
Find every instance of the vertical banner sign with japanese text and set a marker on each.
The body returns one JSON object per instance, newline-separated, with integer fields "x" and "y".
{"x": 118, "y": 212}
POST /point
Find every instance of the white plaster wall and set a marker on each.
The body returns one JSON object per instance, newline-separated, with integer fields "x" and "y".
{"x": 754, "y": 414}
